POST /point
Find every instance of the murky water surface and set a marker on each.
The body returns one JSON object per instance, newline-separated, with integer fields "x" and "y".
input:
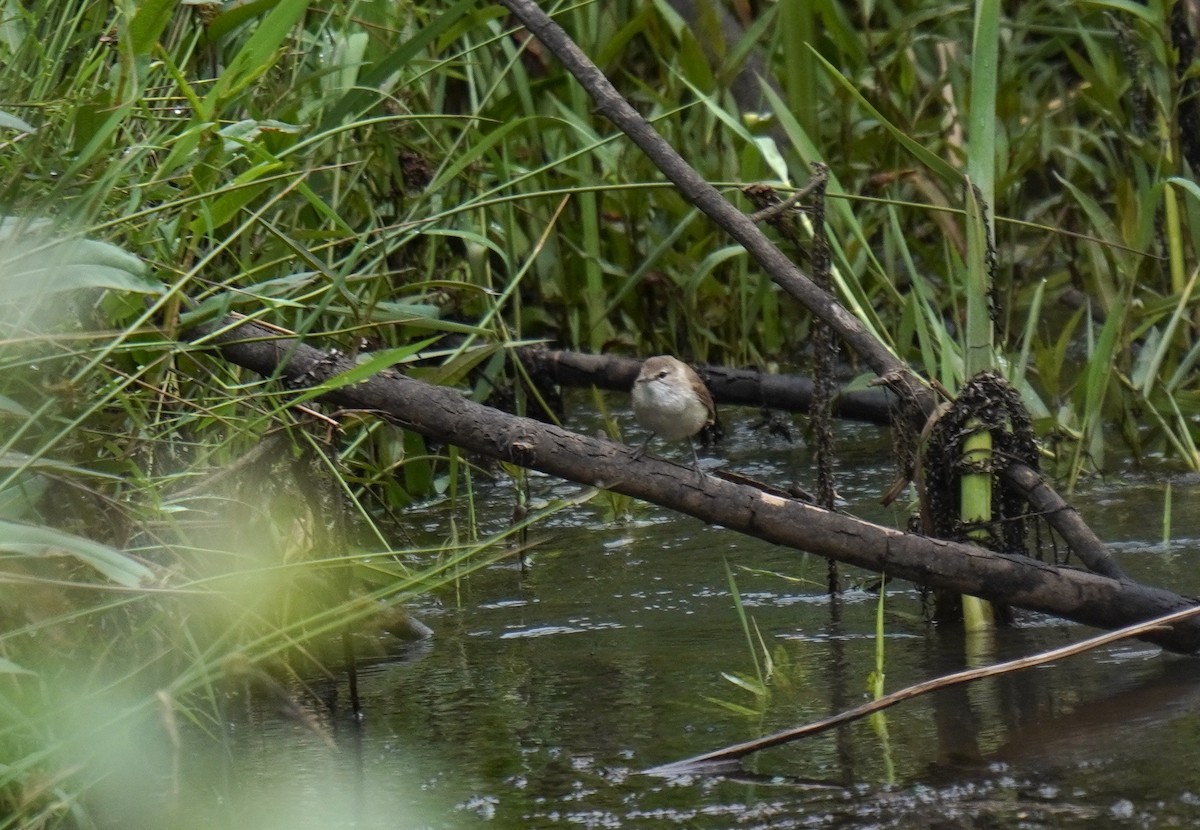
{"x": 545, "y": 695}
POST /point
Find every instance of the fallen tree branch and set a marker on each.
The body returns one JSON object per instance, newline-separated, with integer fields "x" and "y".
{"x": 744, "y": 387}
{"x": 444, "y": 414}
{"x": 729, "y": 758}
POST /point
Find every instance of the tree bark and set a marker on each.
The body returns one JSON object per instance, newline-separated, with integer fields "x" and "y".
{"x": 444, "y": 414}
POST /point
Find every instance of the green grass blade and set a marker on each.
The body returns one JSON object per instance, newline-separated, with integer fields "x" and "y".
{"x": 256, "y": 55}
{"x": 745, "y": 623}
{"x": 918, "y": 150}
{"x": 369, "y": 90}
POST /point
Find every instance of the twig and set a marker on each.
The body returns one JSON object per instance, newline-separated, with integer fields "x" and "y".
{"x": 772, "y": 211}
{"x": 731, "y": 756}
{"x": 766, "y": 214}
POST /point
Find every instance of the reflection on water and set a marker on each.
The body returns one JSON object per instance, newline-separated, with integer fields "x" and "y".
{"x": 545, "y": 694}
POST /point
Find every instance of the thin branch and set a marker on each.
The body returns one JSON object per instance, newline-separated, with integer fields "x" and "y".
{"x": 819, "y": 179}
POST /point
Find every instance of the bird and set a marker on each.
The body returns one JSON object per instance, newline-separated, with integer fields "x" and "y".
{"x": 671, "y": 401}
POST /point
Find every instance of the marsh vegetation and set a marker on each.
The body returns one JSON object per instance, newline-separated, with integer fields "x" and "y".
{"x": 422, "y": 186}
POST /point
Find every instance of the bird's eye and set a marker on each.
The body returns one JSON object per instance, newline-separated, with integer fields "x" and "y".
{"x": 663, "y": 373}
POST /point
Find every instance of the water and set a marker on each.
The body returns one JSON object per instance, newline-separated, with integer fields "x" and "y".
{"x": 544, "y": 696}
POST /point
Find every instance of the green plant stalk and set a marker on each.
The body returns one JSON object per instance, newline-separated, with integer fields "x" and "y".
{"x": 979, "y": 352}
{"x": 981, "y": 124}
{"x": 876, "y": 680}
{"x": 1173, "y": 220}
{"x": 876, "y": 683}
{"x": 593, "y": 329}
{"x": 976, "y": 489}
{"x": 1166, "y": 519}
{"x": 1102, "y": 357}
{"x": 980, "y": 186}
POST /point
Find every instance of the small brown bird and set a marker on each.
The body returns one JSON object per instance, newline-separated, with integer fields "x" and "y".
{"x": 671, "y": 401}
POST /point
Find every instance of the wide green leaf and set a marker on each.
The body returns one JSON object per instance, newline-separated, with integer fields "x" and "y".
{"x": 34, "y": 263}
{"x": 148, "y": 22}
{"x": 13, "y": 123}
{"x": 32, "y": 540}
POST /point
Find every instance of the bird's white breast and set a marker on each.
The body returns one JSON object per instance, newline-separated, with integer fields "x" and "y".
{"x": 667, "y": 412}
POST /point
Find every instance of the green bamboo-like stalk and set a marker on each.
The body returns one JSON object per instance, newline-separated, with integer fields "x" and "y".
{"x": 976, "y": 490}
{"x": 976, "y": 482}
{"x": 980, "y": 196}
{"x": 876, "y": 687}
{"x": 976, "y": 486}
{"x": 978, "y": 355}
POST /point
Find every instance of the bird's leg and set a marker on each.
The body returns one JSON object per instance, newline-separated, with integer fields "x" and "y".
{"x": 640, "y": 451}
{"x": 695, "y": 457}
